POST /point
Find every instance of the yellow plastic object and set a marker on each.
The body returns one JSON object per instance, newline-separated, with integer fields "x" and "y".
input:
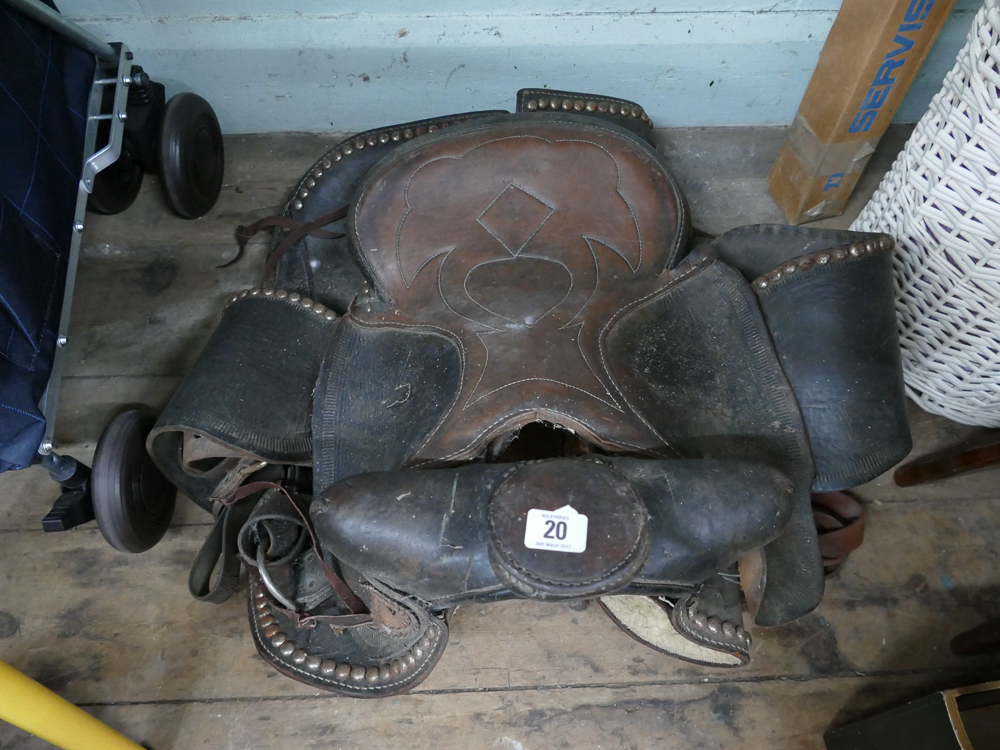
{"x": 36, "y": 709}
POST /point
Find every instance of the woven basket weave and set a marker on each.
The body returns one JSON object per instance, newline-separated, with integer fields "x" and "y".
{"x": 941, "y": 201}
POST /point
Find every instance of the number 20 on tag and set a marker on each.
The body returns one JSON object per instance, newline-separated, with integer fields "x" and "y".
{"x": 561, "y": 530}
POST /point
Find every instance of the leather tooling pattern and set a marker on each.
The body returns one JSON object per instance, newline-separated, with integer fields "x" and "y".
{"x": 552, "y": 234}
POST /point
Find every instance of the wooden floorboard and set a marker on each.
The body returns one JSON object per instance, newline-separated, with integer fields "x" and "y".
{"x": 737, "y": 714}
{"x": 120, "y": 634}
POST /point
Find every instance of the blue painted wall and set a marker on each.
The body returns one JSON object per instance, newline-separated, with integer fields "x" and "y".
{"x": 308, "y": 66}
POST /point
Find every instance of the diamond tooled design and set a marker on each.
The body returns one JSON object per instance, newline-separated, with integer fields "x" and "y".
{"x": 514, "y": 217}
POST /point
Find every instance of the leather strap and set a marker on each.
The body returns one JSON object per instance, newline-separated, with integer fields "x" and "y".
{"x": 220, "y": 550}
{"x": 348, "y": 597}
{"x": 297, "y": 229}
{"x": 840, "y": 521}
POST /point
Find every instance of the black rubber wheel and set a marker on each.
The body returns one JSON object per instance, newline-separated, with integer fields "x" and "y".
{"x": 133, "y": 501}
{"x": 191, "y": 155}
{"x": 116, "y": 187}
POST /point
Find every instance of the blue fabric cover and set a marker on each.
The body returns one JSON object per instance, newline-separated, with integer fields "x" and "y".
{"x": 44, "y": 90}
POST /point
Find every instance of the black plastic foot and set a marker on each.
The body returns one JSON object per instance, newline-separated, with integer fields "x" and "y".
{"x": 72, "y": 509}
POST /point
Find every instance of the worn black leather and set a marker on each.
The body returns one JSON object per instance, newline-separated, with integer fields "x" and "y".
{"x": 379, "y": 394}
{"x": 428, "y": 532}
{"x": 834, "y": 327}
{"x": 501, "y": 272}
{"x": 251, "y": 388}
{"x": 697, "y": 362}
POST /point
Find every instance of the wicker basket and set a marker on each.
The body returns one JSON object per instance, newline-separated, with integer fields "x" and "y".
{"x": 941, "y": 201}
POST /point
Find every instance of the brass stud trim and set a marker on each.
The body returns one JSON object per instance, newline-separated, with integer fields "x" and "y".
{"x": 822, "y": 258}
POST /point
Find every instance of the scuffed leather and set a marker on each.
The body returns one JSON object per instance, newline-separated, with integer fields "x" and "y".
{"x": 428, "y": 532}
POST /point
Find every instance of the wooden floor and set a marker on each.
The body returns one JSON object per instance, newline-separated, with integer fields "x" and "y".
{"x": 121, "y": 636}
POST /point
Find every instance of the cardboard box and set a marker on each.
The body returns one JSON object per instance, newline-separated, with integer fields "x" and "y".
{"x": 870, "y": 58}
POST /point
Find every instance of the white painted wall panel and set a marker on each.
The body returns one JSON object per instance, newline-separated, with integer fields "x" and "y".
{"x": 271, "y": 67}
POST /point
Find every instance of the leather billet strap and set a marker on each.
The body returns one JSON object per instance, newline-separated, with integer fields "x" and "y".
{"x": 220, "y": 551}
{"x": 296, "y": 231}
{"x": 348, "y": 597}
{"x": 312, "y": 228}
{"x": 223, "y": 548}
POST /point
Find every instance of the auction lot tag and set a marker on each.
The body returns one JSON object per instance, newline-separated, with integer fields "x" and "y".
{"x": 561, "y": 530}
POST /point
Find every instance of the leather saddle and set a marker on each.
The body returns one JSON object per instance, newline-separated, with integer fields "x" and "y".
{"x": 510, "y": 371}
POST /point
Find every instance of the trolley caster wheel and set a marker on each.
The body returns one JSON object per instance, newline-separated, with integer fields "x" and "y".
{"x": 116, "y": 187}
{"x": 133, "y": 501}
{"x": 191, "y": 155}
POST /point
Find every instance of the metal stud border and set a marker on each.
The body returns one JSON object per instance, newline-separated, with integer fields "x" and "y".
{"x": 293, "y": 299}
{"x": 780, "y": 275}
{"x": 361, "y": 141}
{"x": 341, "y": 674}
{"x": 590, "y": 105}
{"x": 713, "y": 627}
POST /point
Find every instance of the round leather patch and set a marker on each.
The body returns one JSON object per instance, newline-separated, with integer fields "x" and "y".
{"x": 566, "y": 529}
